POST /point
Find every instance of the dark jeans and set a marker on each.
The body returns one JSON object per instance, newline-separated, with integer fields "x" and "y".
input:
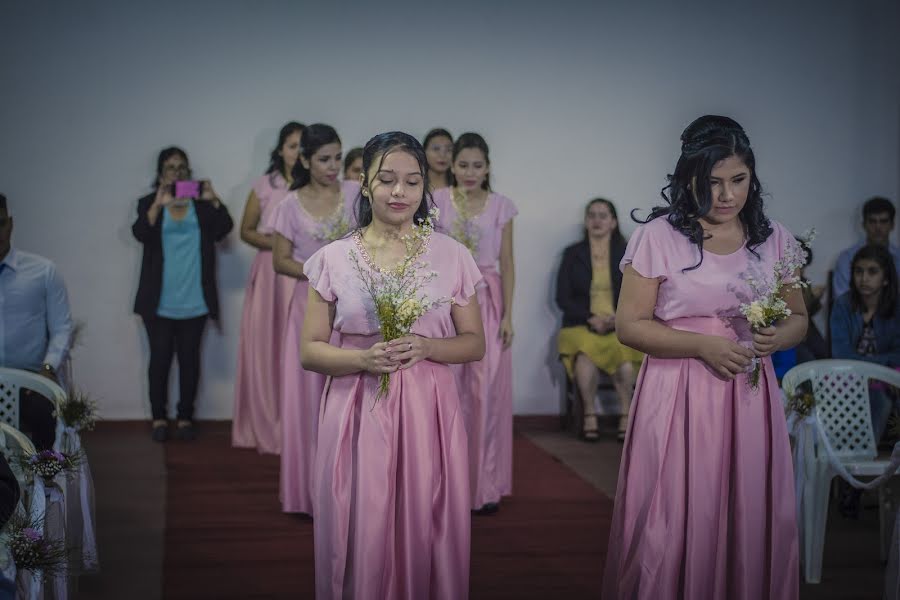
{"x": 168, "y": 337}
{"x": 36, "y": 418}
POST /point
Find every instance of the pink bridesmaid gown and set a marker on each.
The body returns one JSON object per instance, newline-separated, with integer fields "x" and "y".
{"x": 486, "y": 386}
{"x": 301, "y": 389}
{"x": 256, "y": 422}
{"x": 391, "y": 479}
{"x": 705, "y": 501}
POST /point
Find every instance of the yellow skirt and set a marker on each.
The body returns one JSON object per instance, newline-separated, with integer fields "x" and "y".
{"x": 605, "y": 350}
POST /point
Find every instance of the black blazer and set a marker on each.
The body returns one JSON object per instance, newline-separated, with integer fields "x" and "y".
{"x": 215, "y": 223}
{"x": 573, "y": 282}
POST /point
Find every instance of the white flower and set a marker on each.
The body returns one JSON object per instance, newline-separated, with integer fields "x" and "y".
{"x": 756, "y": 314}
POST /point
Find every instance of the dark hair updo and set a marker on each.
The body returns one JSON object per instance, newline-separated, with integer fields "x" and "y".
{"x": 704, "y": 143}
{"x": 375, "y": 151}
{"x": 472, "y": 140}
{"x": 276, "y": 160}
{"x": 314, "y": 137}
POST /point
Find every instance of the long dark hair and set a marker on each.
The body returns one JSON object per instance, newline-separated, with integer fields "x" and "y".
{"x": 471, "y": 140}
{"x": 276, "y": 161}
{"x": 164, "y": 155}
{"x": 704, "y": 143}
{"x": 615, "y": 238}
{"x": 887, "y": 303}
{"x": 314, "y": 137}
{"x": 378, "y": 148}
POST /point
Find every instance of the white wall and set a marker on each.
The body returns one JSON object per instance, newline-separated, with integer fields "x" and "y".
{"x": 575, "y": 98}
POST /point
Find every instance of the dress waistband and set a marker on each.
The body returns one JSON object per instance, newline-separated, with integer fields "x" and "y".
{"x": 356, "y": 341}
{"x": 731, "y": 327}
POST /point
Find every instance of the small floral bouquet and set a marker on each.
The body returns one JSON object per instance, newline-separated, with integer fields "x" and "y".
{"x": 464, "y": 230}
{"x": 801, "y": 401}
{"x": 79, "y": 411}
{"x": 397, "y": 294}
{"x": 31, "y": 550}
{"x": 49, "y": 463}
{"x": 769, "y": 291}
{"x": 334, "y": 226}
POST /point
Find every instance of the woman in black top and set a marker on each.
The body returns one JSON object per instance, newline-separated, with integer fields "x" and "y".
{"x": 177, "y": 288}
{"x": 587, "y": 291}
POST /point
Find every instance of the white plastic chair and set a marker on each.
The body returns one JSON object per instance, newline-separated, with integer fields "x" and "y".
{"x": 841, "y": 391}
{"x": 12, "y": 444}
{"x": 12, "y": 380}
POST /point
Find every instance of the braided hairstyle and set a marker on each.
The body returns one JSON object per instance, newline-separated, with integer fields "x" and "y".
{"x": 687, "y": 194}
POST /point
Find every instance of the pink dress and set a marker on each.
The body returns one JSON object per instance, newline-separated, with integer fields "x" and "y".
{"x": 256, "y": 422}
{"x": 391, "y": 486}
{"x": 705, "y": 501}
{"x": 485, "y": 386}
{"x": 301, "y": 389}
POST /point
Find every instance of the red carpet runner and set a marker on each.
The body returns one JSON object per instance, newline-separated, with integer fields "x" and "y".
{"x": 227, "y": 539}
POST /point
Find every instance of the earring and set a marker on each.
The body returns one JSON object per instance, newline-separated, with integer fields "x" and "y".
{"x": 365, "y": 192}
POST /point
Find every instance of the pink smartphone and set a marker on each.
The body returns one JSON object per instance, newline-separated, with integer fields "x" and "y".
{"x": 187, "y": 189}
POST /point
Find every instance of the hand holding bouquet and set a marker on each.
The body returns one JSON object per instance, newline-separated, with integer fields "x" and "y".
{"x": 398, "y": 294}
{"x": 769, "y": 291}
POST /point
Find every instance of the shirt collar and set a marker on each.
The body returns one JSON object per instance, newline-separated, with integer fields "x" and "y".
{"x": 11, "y": 259}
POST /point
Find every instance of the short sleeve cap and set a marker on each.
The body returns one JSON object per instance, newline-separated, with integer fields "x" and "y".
{"x": 506, "y": 210}
{"x": 467, "y": 277}
{"x": 646, "y": 250}
{"x": 318, "y": 271}
{"x": 283, "y": 219}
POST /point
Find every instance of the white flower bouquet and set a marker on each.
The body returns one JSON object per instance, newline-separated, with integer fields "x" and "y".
{"x": 769, "y": 291}
{"x": 398, "y": 294}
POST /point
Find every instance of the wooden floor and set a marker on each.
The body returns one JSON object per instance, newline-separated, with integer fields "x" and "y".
{"x": 202, "y": 520}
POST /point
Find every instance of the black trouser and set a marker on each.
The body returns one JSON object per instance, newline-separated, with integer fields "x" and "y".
{"x": 36, "y": 418}
{"x": 181, "y": 337}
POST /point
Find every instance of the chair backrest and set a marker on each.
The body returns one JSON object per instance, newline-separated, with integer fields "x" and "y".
{"x": 13, "y": 380}
{"x": 13, "y": 444}
{"x": 841, "y": 391}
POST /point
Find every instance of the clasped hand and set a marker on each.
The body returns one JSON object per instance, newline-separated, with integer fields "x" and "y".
{"x": 399, "y": 354}
{"x": 728, "y": 358}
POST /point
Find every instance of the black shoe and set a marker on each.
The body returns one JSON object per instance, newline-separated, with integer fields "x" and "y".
{"x": 160, "y": 433}
{"x": 185, "y": 433}
{"x": 488, "y": 509}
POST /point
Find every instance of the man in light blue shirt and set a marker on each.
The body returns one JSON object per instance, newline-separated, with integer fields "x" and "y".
{"x": 878, "y": 222}
{"x": 35, "y": 323}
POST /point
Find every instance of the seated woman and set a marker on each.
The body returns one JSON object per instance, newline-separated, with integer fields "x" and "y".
{"x": 587, "y": 291}
{"x": 865, "y": 323}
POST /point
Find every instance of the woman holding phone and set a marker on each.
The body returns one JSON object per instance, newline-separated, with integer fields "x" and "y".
{"x": 178, "y": 225}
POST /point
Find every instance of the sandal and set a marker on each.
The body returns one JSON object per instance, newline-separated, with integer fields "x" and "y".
{"x": 590, "y": 434}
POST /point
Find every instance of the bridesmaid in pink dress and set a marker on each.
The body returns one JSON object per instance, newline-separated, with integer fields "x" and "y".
{"x": 316, "y": 211}
{"x": 256, "y": 422}
{"x": 391, "y": 486}
{"x": 482, "y": 220}
{"x": 705, "y": 501}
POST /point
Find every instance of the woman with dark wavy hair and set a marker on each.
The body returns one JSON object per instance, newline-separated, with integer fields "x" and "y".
{"x": 705, "y": 503}
{"x": 481, "y": 219}
{"x": 316, "y": 211}
{"x": 256, "y": 421}
{"x": 391, "y": 479}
